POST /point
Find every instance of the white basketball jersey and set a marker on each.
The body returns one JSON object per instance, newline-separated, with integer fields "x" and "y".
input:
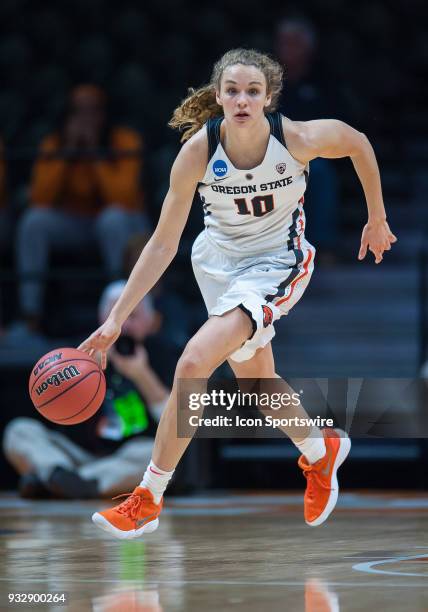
{"x": 258, "y": 210}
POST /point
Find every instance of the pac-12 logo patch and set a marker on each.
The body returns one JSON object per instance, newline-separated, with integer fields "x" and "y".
{"x": 281, "y": 167}
{"x": 220, "y": 168}
{"x": 267, "y": 316}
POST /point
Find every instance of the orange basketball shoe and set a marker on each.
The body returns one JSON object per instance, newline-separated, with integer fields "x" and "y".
{"x": 136, "y": 515}
{"x": 318, "y": 597}
{"x": 322, "y": 487}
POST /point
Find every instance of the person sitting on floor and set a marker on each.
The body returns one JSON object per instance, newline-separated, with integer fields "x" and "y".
{"x": 104, "y": 455}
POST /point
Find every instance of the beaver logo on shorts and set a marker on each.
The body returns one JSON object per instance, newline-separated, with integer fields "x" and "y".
{"x": 267, "y": 316}
{"x": 281, "y": 167}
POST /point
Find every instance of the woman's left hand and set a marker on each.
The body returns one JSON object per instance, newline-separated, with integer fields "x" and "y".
{"x": 377, "y": 238}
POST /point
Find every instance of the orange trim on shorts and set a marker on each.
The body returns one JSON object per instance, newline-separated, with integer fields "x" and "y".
{"x": 297, "y": 279}
{"x": 302, "y": 225}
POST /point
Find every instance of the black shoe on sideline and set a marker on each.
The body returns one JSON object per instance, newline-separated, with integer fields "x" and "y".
{"x": 68, "y": 484}
{"x": 31, "y": 487}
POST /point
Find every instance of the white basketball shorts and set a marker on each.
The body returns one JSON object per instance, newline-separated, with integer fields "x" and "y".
{"x": 266, "y": 286}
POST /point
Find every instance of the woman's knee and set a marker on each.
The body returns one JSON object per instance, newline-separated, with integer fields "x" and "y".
{"x": 260, "y": 366}
{"x": 193, "y": 363}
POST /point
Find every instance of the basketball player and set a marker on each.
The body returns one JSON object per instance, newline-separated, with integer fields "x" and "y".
{"x": 252, "y": 261}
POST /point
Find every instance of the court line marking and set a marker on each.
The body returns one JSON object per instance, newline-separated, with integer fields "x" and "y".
{"x": 369, "y": 566}
{"x": 355, "y": 558}
{"x": 132, "y": 581}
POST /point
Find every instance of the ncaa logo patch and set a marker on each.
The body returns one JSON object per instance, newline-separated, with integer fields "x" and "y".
{"x": 267, "y": 316}
{"x": 220, "y": 168}
{"x": 281, "y": 167}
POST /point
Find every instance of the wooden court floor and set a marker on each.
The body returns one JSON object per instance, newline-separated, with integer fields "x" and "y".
{"x": 222, "y": 552}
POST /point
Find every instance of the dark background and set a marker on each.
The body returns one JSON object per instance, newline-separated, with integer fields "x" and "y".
{"x": 146, "y": 55}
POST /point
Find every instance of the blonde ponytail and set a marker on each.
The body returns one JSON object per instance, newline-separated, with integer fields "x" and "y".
{"x": 200, "y": 105}
{"x": 195, "y": 110}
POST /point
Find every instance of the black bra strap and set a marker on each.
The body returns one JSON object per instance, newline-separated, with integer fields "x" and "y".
{"x": 213, "y": 133}
{"x": 275, "y": 121}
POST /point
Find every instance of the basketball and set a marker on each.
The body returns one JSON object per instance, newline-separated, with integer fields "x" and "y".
{"x": 67, "y": 386}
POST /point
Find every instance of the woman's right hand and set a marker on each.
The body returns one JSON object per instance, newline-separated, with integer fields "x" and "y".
{"x": 101, "y": 340}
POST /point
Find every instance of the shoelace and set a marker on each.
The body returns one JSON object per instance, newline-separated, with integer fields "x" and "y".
{"x": 131, "y": 506}
{"x": 313, "y": 479}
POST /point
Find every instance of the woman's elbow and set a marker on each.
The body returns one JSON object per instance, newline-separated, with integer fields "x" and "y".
{"x": 166, "y": 246}
{"x": 360, "y": 145}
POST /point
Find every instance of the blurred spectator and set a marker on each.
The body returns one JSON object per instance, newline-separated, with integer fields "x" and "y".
{"x": 103, "y": 456}
{"x": 5, "y": 220}
{"x": 85, "y": 188}
{"x": 4, "y": 213}
{"x": 306, "y": 96}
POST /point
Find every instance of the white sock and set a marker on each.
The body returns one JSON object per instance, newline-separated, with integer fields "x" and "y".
{"x": 156, "y": 480}
{"x": 313, "y": 447}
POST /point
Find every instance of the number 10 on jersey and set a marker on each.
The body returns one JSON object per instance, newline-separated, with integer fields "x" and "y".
{"x": 261, "y": 205}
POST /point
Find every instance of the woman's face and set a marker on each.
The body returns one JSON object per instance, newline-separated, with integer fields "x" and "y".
{"x": 243, "y": 94}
